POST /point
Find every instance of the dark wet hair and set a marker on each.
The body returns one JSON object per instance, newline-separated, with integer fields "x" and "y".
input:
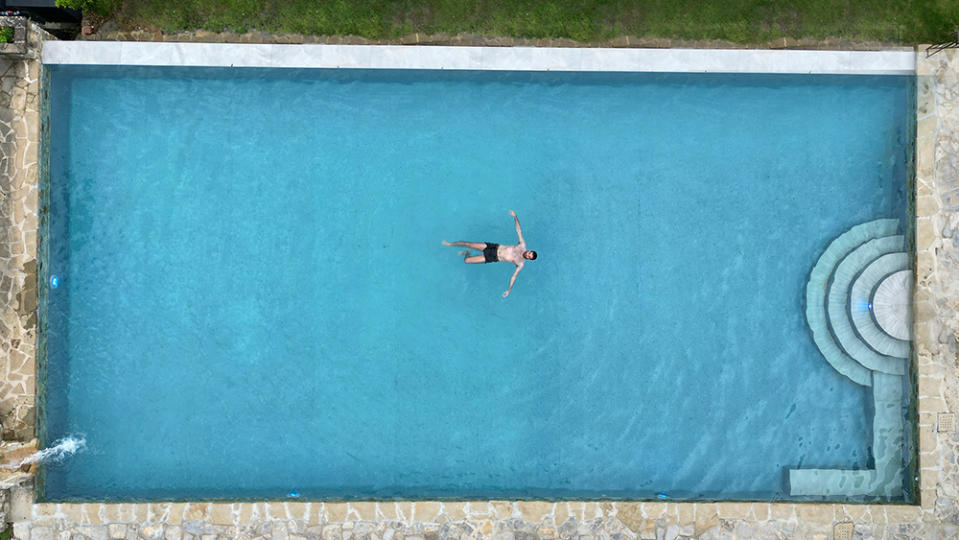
{"x": 533, "y": 257}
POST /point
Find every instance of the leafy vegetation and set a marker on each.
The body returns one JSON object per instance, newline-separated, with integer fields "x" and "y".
{"x": 100, "y": 7}
{"x": 740, "y": 21}
{"x": 6, "y": 34}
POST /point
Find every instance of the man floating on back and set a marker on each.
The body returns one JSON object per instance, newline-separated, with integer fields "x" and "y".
{"x": 516, "y": 254}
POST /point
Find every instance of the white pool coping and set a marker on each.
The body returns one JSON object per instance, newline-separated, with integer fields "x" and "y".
{"x": 892, "y": 62}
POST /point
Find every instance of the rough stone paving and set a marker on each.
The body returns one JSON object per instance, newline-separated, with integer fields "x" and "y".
{"x": 936, "y": 327}
{"x": 19, "y": 157}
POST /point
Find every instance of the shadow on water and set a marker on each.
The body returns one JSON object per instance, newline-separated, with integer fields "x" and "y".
{"x": 54, "y": 260}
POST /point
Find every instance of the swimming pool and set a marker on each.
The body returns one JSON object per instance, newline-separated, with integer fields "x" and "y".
{"x": 254, "y": 301}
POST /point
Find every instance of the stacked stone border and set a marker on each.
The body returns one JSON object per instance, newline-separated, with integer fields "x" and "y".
{"x": 432, "y": 520}
{"x": 20, "y": 127}
{"x": 936, "y": 317}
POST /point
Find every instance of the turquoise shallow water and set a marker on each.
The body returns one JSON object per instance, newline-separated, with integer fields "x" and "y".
{"x": 254, "y": 298}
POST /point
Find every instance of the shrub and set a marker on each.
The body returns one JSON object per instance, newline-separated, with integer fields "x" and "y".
{"x": 6, "y": 35}
{"x": 100, "y": 7}
{"x": 80, "y": 5}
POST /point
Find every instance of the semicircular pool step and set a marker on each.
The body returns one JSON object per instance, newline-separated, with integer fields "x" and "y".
{"x": 860, "y": 301}
{"x": 838, "y": 305}
{"x": 891, "y": 305}
{"x": 817, "y": 290}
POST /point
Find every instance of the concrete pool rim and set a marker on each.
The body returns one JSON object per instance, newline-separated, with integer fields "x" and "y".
{"x": 886, "y": 62}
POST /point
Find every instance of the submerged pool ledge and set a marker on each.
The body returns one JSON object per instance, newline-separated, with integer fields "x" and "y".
{"x": 890, "y": 62}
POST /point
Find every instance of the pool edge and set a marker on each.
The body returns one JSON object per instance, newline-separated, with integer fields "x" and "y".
{"x": 886, "y": 62}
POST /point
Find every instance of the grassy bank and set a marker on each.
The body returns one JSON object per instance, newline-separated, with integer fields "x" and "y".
{"x": 743, "y": 21}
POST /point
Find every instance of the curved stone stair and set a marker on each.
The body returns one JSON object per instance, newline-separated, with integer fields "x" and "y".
{"x": 838, "y": 306}
{"x": 817, "y": 290}
{"x": 840, "y": 295}
{"x": 860, "y": 301}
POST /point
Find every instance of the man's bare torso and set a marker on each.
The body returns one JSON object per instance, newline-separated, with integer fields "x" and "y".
{"x": 513, "y": 254}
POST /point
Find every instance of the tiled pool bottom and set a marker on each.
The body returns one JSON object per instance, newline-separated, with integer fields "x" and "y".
{"x": 935, "y": 518}
{"x": 619, "y": 364}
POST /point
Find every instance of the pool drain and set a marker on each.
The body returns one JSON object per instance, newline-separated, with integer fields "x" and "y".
{"x": 842, "y": 531}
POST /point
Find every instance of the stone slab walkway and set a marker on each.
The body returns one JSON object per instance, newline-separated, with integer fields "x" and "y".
{"x": 19, "y": 157}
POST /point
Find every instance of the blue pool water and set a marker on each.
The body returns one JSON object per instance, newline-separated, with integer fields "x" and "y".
{"x": 253, "y": 297}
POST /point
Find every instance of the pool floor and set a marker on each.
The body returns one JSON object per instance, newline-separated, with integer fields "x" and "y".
{"x": 254, "y": 300}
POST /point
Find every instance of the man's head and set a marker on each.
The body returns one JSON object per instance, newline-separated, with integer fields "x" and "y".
{"x": 529, "y": 255}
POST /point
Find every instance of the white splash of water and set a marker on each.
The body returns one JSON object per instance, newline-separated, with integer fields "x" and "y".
{"x": 66, "y": 446}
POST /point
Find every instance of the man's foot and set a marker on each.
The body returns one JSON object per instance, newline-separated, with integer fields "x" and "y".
{"x": 464, "y": 253}
{"x": 445, "y": 243}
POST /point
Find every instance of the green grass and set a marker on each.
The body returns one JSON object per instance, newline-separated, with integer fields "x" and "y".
{"x": 741, "y": 21}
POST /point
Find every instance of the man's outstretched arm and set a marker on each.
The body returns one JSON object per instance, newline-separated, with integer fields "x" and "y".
{"x": 519, "y": 231}
{"x": 512, "y": 280}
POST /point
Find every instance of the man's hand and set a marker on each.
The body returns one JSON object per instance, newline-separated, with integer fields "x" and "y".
{"x": 505, "y": 294}
{"x": 512, "y": 213}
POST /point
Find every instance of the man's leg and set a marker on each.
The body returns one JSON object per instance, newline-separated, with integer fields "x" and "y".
{"x": 479, "y": 246}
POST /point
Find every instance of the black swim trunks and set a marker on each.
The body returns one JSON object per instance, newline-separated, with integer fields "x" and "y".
{"x": 490, "y": 252}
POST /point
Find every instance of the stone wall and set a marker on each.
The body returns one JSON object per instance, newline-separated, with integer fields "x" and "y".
{"x": 19, "y": 157}
{"x": 936, "y": 309}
